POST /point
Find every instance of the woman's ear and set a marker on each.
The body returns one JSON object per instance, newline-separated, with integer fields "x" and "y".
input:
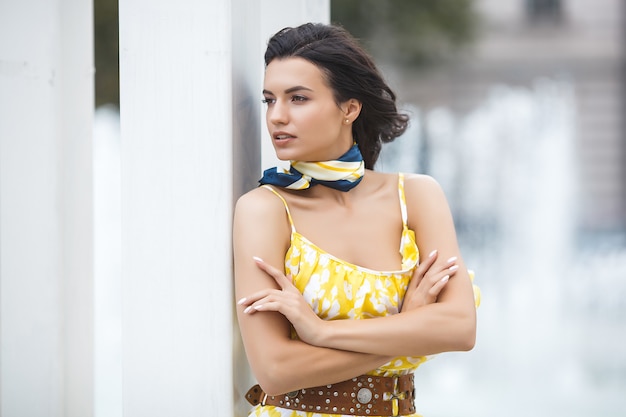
{"x": 351, "y": 109}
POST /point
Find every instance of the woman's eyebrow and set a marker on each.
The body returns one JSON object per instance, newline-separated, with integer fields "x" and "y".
{"x": 290, "y": 90}
{"x": 297, "y": 88}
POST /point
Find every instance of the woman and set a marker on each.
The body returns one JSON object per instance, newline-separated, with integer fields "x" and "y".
{"x": 333, "y": 317}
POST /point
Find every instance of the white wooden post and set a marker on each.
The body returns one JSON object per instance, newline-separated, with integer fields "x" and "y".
{"x": 176, "y": 173}
{"x": 190, "y": 102}
{"x": 46, "y": 257}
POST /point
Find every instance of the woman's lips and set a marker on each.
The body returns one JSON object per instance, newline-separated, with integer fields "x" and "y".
{"x": 282, "y": 138}
{"x": 282, "y": 135}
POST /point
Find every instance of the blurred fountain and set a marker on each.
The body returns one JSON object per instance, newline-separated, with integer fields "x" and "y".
{"x": 508, "y": 169}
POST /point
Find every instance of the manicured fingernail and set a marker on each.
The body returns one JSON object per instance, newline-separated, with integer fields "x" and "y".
{"x": 432, "y": 253}
{"x": 452, "y": 259}
{"x": 256, "y": 258}
{"x": 453, "y": 268}
{"x": 445, "y": 279}
{"x": 247, "y": 309}
{"x": 243, "y": 300}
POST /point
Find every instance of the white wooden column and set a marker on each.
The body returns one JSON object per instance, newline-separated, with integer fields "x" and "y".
{"x": 176, "y": 174}
{"x": 46, "y": 265}
{"x": 191, "y": 144}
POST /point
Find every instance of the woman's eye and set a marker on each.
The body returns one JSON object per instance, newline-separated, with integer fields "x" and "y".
{"x": 268, "y": 100}
{"x": 299, "y": 98}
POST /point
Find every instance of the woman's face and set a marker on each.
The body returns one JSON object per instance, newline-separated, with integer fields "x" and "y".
{"x": 303, "y": 119}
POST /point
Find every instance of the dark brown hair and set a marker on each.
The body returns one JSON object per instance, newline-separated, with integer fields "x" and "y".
{"x": 351, "y": 74}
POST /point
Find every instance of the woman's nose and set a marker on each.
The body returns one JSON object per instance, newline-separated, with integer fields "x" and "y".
{"x": 278, "y": 113}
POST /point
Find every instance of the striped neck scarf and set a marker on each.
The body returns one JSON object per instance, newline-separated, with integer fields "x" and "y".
{"x": 342, "y": 174}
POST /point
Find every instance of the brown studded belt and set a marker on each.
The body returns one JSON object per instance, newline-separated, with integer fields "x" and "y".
{"x": 365, "y": 395}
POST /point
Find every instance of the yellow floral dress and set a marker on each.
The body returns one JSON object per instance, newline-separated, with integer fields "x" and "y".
{"x": 336, "y": 289}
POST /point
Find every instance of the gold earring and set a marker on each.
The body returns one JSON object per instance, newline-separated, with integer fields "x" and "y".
{"x": 347, "y": 121}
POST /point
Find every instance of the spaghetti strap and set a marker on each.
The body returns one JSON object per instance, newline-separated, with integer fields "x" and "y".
{"x": 402, "y": 199}
{"x": 293, "y": 228}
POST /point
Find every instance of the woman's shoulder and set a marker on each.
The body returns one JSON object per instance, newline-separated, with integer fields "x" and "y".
{"x": 421, "y": 182}
{"x": 260, "y": 213}
{"x": 260, "y": 203}
{"x": 260, "y": 227}
{"x": 424, "y": 193}
{"x": 260, "y": 198}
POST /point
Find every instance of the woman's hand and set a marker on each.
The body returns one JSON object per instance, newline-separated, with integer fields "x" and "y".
{"x": 428, "y": 281}
{"x": 288, "y": 301}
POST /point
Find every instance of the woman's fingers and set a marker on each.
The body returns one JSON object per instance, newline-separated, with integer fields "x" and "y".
{"x": 287, "y": 301}
{"x": 265, "y": 304}
{"x": 257, "y": 296}
{"x": 253, "y": 301}
{"x": 428, "y": 282}
{"x": 420, "y": 271}
{"x": 429, "y": 261}
{"x": 429, "y": 271}
{"x": 437, "y": 274}
{"x": 432, "y": 257}
{"x": 281, "y": 304}
{"x": 438, "y": 286}
{"x": 278, "y": 276}
{"x": 269, "y": 299}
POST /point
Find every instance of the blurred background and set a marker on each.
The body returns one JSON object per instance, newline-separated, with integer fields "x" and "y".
{"x": 517, "y": 110}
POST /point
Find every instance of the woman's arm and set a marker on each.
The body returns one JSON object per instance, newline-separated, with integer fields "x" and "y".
{"x": 279, "y": 363}
{"x": 447, "y": 325}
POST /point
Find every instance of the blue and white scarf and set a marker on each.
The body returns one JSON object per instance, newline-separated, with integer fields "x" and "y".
{"x": 342, "y": 174}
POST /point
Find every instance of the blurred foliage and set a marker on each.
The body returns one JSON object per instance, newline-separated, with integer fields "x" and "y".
{"x": 409, "y": 32}
{"x": 106, "y": 38}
